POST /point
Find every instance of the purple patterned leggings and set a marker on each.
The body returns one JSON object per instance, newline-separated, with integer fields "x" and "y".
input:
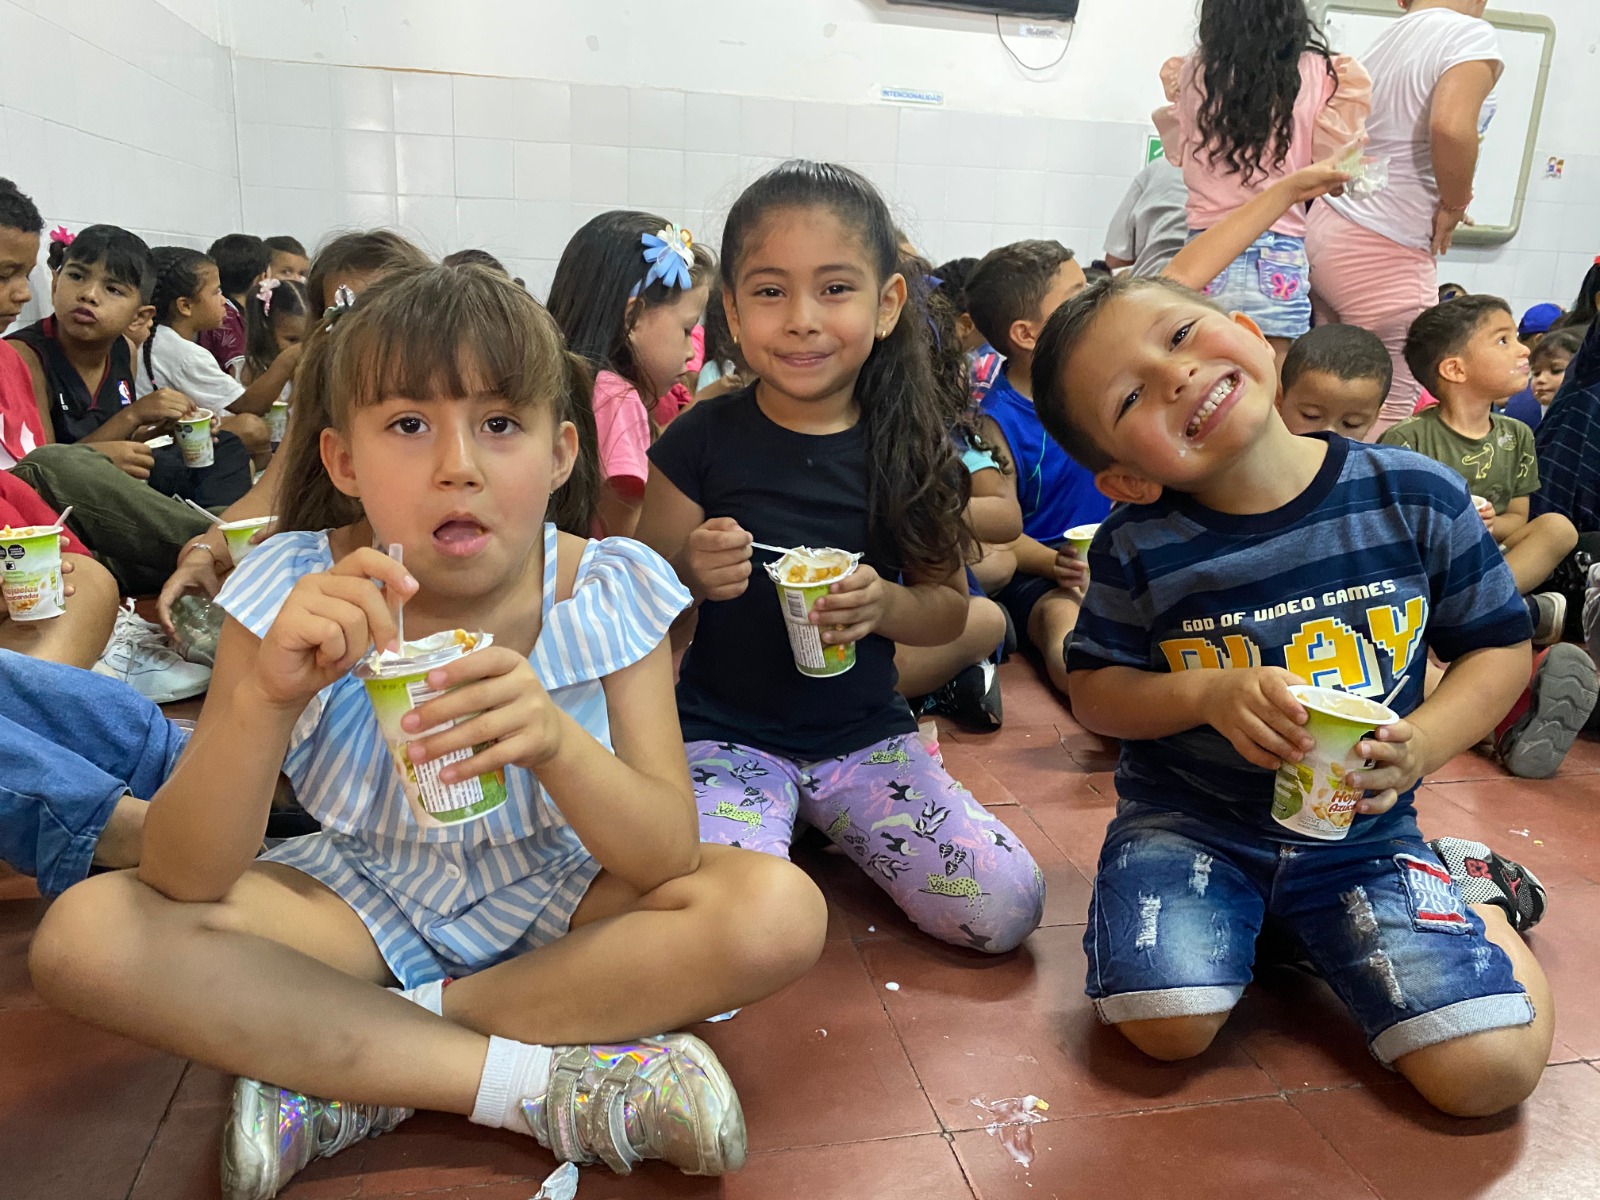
{"x": 956, "y": 871}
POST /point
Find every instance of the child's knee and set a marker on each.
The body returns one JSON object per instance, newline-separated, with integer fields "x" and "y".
{"x": 986, "y": 621}
{"x": 87, "y": 939}
{"x": 1560, "y": 533}
{"x": 773, "y": 918}
{"x": 1478, "y": 1075}
{"x": 1172, "y": 1039}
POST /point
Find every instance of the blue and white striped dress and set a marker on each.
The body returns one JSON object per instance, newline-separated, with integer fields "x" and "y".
{"x": 452, "y": 901}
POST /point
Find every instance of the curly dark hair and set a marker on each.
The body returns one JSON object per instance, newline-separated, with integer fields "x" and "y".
{"x": 1249, "y": 68}
{"x": 916, "y": 487}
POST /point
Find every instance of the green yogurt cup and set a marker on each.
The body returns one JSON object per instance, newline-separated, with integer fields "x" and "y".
{"x": 397, "y": 683}
{"x": 30, "y": 581}
{"x": 1080, "y": 536}
{"x": 239, "y": 533}
{"x": 1310, "y": 796}
{"x": 194, "y": 439}
{"x": 799, "y": 589}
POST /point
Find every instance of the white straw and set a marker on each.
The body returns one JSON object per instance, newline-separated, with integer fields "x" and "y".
{"x": 397, "y": 552}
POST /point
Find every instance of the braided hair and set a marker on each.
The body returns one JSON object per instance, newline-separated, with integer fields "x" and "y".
{"x": 177, "y": 270}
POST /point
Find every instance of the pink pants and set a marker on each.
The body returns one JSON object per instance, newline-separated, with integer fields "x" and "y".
{"x": 1359, "y": 277}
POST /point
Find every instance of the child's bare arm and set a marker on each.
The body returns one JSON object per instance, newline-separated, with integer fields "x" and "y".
{"x": 1209, "y": 254}
{"x": 993, "y": 511}
{"x": 1513, "y": 519}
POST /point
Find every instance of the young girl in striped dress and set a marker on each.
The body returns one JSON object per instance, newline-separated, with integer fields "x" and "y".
{"x": 583, "y": 910}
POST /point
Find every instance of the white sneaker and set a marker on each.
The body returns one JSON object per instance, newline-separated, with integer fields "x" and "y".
{"x": 138, "y": 654}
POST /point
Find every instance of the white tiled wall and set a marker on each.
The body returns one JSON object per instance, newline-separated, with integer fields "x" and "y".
{"x": 514, "y": 166}
{"x": 120, "y": 111}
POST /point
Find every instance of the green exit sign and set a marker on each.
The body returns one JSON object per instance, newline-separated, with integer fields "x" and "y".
{"x": 1152, "y": 148}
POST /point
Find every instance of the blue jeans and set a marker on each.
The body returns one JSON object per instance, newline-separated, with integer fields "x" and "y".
{"x": 74, "y": 744}
{"x": 1269, "y": 283}
{"x": 1178, "y": 902}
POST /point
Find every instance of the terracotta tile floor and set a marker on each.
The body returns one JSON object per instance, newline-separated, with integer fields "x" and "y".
{"x": 854, "y": 1091}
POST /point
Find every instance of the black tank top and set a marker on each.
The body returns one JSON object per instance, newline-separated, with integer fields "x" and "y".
{"x": 74, "y": 413}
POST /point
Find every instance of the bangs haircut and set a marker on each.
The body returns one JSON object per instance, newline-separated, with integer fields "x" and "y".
{"x": 1553, "y": 346}
{"x": 1061, "y": 337}
{"x": 122, "y": 255}
{"x": 444, "y": 332}
{"x": 1443, "y": 331}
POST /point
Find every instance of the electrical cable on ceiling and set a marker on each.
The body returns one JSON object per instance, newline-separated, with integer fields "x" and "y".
{"x": 1053, "y": 63}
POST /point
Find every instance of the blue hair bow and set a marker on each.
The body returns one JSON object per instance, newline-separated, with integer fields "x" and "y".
{"x": 670, "y": 257}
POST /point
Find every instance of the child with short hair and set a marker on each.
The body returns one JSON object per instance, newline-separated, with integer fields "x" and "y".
{"x": 242, "y": 260}
{"x": 447, "y": 391}
{"x": 1011, "y": 294}
{"x": 288, "y": 258}
{"x": 1466, "y": 352}
{"x": 841, "y": 444}
{"x": 1243, "y": 560}
{"x": 628, "y": 293}
{"x": 1334, "y": 380}
{"x": 1260, "y": 97}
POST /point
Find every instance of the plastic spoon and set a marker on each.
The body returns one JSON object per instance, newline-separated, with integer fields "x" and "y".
{"x": 397, "y": 552}
{"x": 778, "y": 550}
{"x": 210, "y": 516}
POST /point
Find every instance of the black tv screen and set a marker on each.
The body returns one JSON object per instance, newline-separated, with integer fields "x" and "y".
{"x": 1048, "y": 10}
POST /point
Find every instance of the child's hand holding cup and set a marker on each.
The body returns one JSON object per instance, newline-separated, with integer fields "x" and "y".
{"x": 1485, "y": 509}
{"x": 1072, "y": 557}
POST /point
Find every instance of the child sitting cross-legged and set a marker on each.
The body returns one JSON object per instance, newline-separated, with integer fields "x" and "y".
{"x": 583, "y": 909}
{"x": 1241, "y": 561}
{"x": 1466, "y": 353}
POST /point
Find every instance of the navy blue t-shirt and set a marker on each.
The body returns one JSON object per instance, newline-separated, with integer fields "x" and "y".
{"x": 1349, "y": 584}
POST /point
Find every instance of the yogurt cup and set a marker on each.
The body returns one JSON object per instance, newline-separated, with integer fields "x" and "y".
{"x": 194, "y": 439}
{"x": 1080, "y": 536}
{"x": 277, "y": 422}
{"x": 239, "y": 533}
{"x": 397, "y": 683}
{"x": 1310, "y": 796}
{"x": 1482, "y": 505}
{"x": 803, "y": 576}
{"x": 30, "y": 581}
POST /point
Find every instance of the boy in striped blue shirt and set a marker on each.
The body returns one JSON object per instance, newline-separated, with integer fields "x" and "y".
{"x": 1243, "y": 559}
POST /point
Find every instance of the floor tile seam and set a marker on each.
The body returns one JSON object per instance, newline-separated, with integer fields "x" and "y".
{"x": 1371, "y": 1184}
{"x": 144, "y": 1159}
{"x": 900, "y": 1040}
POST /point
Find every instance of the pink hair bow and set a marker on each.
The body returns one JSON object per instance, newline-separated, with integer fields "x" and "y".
{"x": 264, "y": 294}
{"x": 62, "y": 235}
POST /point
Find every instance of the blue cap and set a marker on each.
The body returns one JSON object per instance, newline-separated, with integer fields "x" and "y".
{"x": 1539, "y": 318}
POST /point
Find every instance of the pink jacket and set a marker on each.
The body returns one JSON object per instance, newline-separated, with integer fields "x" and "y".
{"x": 1326, "y": 119}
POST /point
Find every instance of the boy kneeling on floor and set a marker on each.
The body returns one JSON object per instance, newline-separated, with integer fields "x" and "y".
{"x": 1287, "y": 559}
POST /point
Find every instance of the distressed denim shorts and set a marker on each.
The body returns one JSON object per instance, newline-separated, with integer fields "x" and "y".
{"x": 1269, "y": 283}
{"x": 1178, "y": 902}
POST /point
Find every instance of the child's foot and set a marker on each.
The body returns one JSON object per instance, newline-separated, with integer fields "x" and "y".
{"x": 1537, "y": 734}
{"x": 1484, "y": 877}
{"x": 971, "y": 698}
{"x": 660, "y": 1097}
{"x": 273, "y": 1133}
{"x": 1552, "y": 618}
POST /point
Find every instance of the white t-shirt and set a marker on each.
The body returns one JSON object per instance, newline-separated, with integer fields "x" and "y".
{"x": 1152, "y": 224}
{"x": 1406, "y": 63}
{"x": 186, "y": 367}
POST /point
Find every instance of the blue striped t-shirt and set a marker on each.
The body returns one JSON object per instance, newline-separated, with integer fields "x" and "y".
{"x": 1350, "y": 584}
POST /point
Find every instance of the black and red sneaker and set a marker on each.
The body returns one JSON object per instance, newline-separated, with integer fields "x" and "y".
{"x": 1484, "y": 877}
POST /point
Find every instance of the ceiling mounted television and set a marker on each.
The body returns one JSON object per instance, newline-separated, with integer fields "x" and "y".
{"x": 1045, "y": 10}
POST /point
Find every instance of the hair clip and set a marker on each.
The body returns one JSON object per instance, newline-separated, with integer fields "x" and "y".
{"x": 62, "y": 236}
{"x": 343, "y": 300}
{"x": 264, "y": 294}
{"x": 670, "y": 256}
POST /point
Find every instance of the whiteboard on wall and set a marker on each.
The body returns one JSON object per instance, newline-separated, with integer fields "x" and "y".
{"x": 1506, "y": 153}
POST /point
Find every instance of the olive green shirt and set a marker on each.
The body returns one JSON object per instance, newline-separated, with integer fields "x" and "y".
{"x": 1500, "y": 466}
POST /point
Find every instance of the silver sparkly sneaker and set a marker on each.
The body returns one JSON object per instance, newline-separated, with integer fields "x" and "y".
{"x": 272, "y": 1133}
{"x": 660, "y": 1097}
